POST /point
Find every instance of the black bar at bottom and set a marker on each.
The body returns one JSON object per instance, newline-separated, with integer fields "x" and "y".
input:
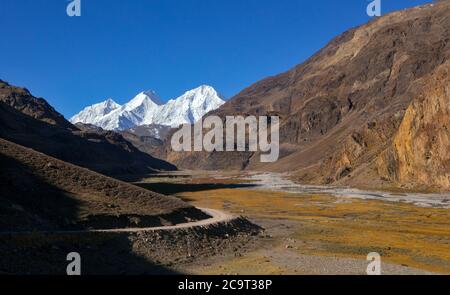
{"x": 227, "y": 284}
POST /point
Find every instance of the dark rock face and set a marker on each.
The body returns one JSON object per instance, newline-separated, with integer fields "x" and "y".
{"x": 343, "y": 106}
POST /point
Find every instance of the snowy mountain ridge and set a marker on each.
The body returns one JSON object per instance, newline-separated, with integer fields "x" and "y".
{"x": 146, "y": 109}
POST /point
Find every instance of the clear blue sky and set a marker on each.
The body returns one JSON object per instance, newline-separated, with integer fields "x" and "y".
{"x": 118, "y": 48}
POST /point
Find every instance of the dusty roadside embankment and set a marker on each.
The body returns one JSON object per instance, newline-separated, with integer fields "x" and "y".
{"x": 142, "y": 252}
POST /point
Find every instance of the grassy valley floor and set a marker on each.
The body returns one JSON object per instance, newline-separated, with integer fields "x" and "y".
{"x": 318, "y": 234}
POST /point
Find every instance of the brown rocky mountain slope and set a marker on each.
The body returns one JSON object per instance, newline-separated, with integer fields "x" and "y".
{"x": 33, "y": 123}
{"x": 142, "y": 137}
{"x": 345, "y": 111}
{"x": 41, "y": 192}
{"x": 420, "y": 151}
{"x": 22, "y": 100}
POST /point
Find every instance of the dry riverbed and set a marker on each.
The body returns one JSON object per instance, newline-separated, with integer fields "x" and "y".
{"x": 319, "y": 233}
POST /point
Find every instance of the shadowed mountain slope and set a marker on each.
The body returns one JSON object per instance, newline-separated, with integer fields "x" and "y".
{"x": 41, "y": 192}
{"x": 32, "y": 122}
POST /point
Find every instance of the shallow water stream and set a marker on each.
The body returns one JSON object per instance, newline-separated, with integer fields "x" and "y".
{"x": 279, "y": 182}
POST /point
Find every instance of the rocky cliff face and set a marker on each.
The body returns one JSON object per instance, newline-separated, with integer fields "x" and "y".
{"x": 420, "y": 152}
{"x": 347, "y": 104}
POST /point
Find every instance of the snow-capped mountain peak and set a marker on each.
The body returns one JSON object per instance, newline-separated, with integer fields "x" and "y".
{"x": 95, "y": 111}
{"x": 190, "y": 107}
{"x": 143, "y": 98}
{"x": 146, "y": 108}
{"x": 153, "y": 96}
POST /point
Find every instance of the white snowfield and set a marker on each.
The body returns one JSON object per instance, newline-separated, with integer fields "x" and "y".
{"x": 146, "y": 109}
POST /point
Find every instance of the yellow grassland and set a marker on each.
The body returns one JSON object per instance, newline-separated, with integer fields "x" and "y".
{"x": 402, "y": 233}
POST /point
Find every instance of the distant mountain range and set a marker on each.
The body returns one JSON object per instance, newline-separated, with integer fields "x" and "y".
{"x": 146, "y": 109}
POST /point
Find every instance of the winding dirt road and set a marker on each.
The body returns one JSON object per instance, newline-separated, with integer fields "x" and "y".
{"x": 217, "y": 216}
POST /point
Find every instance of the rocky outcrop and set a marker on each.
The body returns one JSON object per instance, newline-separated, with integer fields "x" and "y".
{"x": 420, "y": 152}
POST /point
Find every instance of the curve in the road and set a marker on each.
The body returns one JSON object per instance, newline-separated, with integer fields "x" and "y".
{"x": 217, "y": 216}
